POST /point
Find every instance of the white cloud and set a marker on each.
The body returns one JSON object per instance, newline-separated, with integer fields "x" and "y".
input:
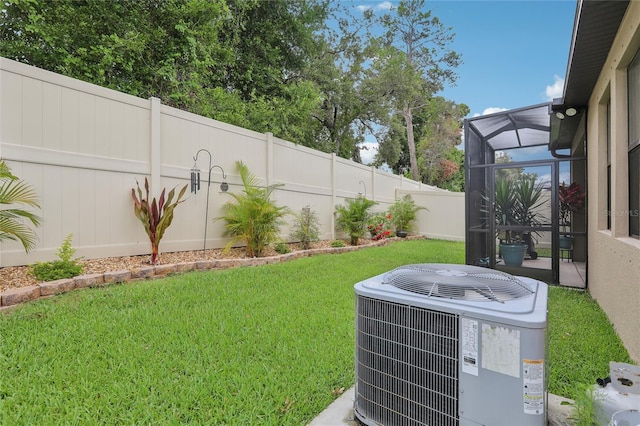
{"x": 385, "y": 5}
{"x": 555, "y": 91}
{"x": 490, "y": 110}
{"x": 367, "y": 154}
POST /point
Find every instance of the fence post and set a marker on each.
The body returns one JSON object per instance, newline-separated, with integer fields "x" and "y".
{"x": 154, "y": 149}
{"x": 269, "y": 159}
{"x": 373, "y": 183}
{"x": 333, "y": 195}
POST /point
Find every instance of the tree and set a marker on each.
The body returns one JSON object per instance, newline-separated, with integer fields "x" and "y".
{"x": 412, "y": 62}
{"x": 15, "y": 191}
{"x": 453, "y": 181}
{"x": 438, "y": 131}
{"x": 347, "y": 110}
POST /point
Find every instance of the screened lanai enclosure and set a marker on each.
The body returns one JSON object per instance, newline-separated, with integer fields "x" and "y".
{"x": 525, "y": 200}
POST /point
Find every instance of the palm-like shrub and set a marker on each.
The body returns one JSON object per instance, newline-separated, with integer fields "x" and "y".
{"x": 15, "y": 191}
{"x": 403, "y": 212}
{"x": 156, "y": 216}
{"x": 252, "y": 217}
{"x": 354, "y": 216}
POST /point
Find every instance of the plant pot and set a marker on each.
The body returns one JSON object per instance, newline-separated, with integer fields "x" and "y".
{"x": 513, "y": 254}
{"x": 565, "y": 242}
{"x": 402, "y": 234}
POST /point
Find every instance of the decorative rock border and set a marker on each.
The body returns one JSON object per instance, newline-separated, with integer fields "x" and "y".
{"x": 16, "y": 296}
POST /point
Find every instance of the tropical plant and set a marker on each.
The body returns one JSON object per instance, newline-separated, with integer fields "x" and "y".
{"x": 306, "y": 227}
{"x": 353, "y": 217}
{"x": 403, "y": 213}
{"x": 252, "y": 217}
{"x": 65, "y": 267}
{"x": 504, "y": 204}
{"x": 517, "y": 203}
{"x": 15, "y": 191}
{"x": 156, "y": 216}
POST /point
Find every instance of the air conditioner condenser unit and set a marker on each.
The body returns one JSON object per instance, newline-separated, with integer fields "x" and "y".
{"x": 445, "y": 344}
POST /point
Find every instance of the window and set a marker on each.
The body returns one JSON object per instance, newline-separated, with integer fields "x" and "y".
{"x": 634, "y": 192}
{"x": 634, "y": 146}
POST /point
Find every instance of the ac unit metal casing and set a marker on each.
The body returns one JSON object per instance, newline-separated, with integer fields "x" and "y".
{"x": 450, "y": 358}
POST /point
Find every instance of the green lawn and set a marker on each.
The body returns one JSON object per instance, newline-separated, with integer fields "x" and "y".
{"x": 268, "y": 345}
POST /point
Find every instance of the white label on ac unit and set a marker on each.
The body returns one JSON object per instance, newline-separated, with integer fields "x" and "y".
{"x": 501, "y": 349}
{"x": 470, "y": 346}
{"x": 533, "y": 385}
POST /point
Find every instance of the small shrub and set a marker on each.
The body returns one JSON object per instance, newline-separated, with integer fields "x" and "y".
{"x": 282, "y": 248}
{"x": 64, "y": 267}
{"x": 337, "y": 243}
{"x": 380, "y": 226}
{"x": 306, "y": 228}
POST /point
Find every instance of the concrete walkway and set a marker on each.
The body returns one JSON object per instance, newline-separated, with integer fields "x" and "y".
{"x": 340, "y": 412}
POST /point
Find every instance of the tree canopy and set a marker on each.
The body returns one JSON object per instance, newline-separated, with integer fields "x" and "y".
{"x": 309, "y": 71}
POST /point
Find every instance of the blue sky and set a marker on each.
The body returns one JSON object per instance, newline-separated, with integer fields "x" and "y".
{"x": 514, "y": 52}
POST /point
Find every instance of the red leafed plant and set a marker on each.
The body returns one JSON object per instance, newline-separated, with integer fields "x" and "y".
{"x": 155, "y": 216}
{"x": 571, "y": 200}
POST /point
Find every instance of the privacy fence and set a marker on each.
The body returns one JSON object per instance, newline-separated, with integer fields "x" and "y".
{"x": 83, "y": 147}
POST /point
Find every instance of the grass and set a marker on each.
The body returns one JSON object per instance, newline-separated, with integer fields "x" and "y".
{"x": 268, "y": 345}
{"x": 582, "y": 342}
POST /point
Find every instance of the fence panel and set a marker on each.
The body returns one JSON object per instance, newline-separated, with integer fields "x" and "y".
{"x": 83, "y": 147}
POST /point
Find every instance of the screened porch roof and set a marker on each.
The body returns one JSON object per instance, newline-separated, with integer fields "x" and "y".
{"x": 515, "y": 128}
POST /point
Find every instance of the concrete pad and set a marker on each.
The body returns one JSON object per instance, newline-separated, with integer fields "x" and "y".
{"x": 340, "y": 412}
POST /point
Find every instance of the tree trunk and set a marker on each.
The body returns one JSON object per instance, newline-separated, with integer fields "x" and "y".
{"x": 154, "y": 254}
{"x": 408, "y": 119}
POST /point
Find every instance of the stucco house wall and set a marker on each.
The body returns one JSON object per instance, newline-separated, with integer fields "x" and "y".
{"x": 614, "y": 256}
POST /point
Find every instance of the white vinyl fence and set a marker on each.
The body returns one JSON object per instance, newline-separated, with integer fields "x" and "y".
{"x": 83, "y": 147}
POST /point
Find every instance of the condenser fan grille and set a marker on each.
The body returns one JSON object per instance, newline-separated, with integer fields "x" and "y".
{"x": 462, "y": 282}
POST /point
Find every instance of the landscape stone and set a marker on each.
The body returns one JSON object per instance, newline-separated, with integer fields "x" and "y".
{"x": 89, "y": 280}
{"x": 15, "y": 296}
{"x": 56, "y": 287}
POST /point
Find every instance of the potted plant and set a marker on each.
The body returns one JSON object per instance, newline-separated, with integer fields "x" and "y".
{"x": 517, "y": 203}
{"x": 403, "y": 213}
{"x": 571, "y": 200}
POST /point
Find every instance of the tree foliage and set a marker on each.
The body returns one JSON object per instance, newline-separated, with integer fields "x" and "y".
{"x": 438, "y": 133}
